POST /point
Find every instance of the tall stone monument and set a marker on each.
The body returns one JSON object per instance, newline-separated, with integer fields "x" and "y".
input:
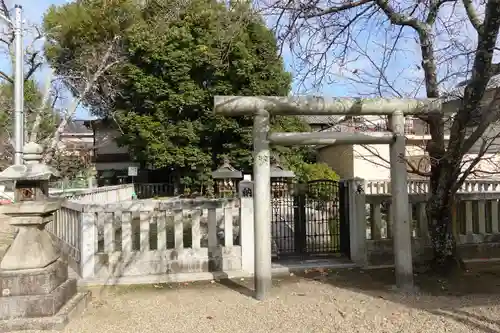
{"x": 36, "y": 292}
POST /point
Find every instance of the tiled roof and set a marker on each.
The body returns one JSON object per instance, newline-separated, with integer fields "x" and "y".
{"x": 458, "y": 92}
{"x": 77, "y": 127}
{"x": 321, "y": 120}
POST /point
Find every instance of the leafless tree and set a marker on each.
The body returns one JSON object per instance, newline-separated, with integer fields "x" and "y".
{"x": 367, "y": 40}
{"x": 81, "y": 86}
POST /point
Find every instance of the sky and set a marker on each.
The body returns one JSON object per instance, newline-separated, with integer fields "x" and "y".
{"x": 348, "y": 76}
{"x": 370, "y": 43}
{"x": 33, "y": 14}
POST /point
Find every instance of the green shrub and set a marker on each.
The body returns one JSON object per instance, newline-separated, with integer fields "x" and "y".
{"x": 321, "y": 191}
{"x": 316, "y": 171}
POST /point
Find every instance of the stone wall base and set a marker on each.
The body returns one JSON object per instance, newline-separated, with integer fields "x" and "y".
{"x": 380, "y": 252}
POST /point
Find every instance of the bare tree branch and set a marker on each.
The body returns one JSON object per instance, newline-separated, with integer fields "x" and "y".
{"x": 314, "y": 12}
{"x": 43, "y": 105}
{"x": 398, "y": 18}
{"x": 104, "y": 66}
{"x": 4, "y": 76}
{"x": 474, "y": 18}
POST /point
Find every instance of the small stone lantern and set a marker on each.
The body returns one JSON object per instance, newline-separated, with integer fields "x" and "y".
{"x": 31, "y": 211}
{"x": 31, "y": 179}
{"x": 34, "y": 280}
{"x": 226, "y": 179}
{"x": 281, "y": 179}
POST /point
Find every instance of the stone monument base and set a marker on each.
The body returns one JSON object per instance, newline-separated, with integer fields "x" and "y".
{"x": 72, "y": 309}
{"x": 42, "y": 298}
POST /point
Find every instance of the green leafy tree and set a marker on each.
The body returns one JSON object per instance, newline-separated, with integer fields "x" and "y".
{"x": 176, "y": 58}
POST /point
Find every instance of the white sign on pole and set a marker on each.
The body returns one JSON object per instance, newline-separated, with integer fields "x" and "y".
{"x": 132, "y": 171}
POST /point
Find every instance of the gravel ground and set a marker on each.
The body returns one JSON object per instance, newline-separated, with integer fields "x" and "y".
{"x": 343, "y": 301}
{"x": 297, "y": 304}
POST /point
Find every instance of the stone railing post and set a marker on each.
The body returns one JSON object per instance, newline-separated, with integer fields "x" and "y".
{"x": 247, "y": 232}
{"x": 88, "y": 246}
{"x": 357, "y": 220}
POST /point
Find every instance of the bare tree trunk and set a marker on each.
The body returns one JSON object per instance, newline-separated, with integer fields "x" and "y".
{"x": 439, "y": 208}
{"x": 105, "y": 65}
{"x": 43, "y": 105}
{"x": 439, "y": 215}
{"x": 446, "y": 163}
{"x": 444, "y": 245}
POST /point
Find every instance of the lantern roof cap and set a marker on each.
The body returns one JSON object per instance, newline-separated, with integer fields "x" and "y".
{"x": 33, "y": 169}
{"x": 226, "y": 171}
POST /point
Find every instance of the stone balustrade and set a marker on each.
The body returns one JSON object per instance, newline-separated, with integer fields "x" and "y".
{"x": 149, "y": 237}
{"x": 136, "y": 240}
{"x": 418, "y": 186}
{"x": 475, "y": 224}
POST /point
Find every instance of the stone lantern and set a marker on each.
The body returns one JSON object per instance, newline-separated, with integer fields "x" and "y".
{"x": 226, "y": 179}
{"x": 281, "y": 179}
{"x": 33, "y": 277}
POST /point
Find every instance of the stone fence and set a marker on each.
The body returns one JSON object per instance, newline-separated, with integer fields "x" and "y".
{"x": 149, "y": 239}
{"x": 105, "y": 194}
{"x": 419, "y": 186}
{"x": 190, "y": 239}
{"x": 475, "y": 218}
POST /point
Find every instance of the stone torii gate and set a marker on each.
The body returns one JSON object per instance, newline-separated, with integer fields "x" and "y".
{"x": 261, "y": 107}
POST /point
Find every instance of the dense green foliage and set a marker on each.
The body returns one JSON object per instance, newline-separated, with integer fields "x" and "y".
{"x": 174, "y": 60}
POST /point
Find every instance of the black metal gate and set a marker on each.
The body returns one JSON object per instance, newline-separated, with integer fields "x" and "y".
{"x": 309, "y": 218}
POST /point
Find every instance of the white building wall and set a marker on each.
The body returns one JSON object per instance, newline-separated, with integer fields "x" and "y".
{"x": 488, "y": 167}
{"x": 373, "y": 161}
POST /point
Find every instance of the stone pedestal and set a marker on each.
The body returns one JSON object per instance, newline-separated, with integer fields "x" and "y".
{"x": 35, "y": 290}
{"x": 33, "y": 247}
{"x": 39, "y": 298}
{"x": 36, "y": 293}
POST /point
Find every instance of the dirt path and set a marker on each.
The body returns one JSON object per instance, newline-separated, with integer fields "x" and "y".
{"x": 350, "y": 301}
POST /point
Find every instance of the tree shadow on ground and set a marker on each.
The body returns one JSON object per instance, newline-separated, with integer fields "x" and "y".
{"x": 471, "y": 298}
